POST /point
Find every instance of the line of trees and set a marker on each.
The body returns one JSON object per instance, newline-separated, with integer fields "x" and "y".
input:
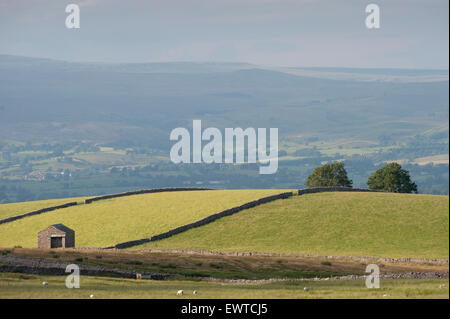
{"x": 389, "y": 178}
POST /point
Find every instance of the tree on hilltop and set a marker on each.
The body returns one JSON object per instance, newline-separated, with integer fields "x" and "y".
{"x": 392, "y": 178}
{"x": 333, "y": 174}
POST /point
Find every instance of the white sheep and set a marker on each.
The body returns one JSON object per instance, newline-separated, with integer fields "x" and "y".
{"x": 194, "y": 292}
{"x": 179, "y": 292}
{"x": 45, "y": 283}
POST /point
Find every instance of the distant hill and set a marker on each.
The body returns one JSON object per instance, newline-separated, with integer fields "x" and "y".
{"x": 109, "y": 124}
{"x": 36, "y": 91}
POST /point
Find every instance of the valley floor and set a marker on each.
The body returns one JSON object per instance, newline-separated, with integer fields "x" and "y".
{"x": 213, "y": 276}
{"x": 13, "y": 285}
{"x": 196, "y": 266}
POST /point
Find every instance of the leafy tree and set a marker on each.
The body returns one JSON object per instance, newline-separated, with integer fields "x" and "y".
{"x": 329, "y": 175}
{"x": 392, "y": 178}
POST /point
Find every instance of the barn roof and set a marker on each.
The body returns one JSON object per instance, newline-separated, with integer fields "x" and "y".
{"x": 63, "y": 228}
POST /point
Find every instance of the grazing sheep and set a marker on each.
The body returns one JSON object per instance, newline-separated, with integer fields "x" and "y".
{"x": 45, "y": 283}
{"x": 306, "y": 289}
{"x": 179, "y": 292}
{"x": 194, "y": 292}
{"x": 91, "y": 296}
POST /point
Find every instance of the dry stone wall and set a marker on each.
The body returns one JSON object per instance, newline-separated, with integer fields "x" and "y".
{"x": 234, "y": 210}
{"x": 334, "y": 189}
{"x": 146, "y": 191}
{"x": 90, "y": 200}
{"x": 37, "y": 212}
{"x": 38, "y": 266}
{"x": 203, "y": 221}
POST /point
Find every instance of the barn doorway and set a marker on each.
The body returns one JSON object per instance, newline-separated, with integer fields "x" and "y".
{"x": 56, "y": 242}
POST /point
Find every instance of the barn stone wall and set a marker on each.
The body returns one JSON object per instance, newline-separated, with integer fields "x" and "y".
{"x": 45, "y": 235}
{"x": 44, "y": 238}
{"x": 69, "y": 241}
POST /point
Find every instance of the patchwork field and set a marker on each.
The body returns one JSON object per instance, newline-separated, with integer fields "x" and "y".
{"x": 323, "y": 224}
{"x": 30, "y": 286}
{"x": 342, "y": 224}
{"x": 112, "y": 221}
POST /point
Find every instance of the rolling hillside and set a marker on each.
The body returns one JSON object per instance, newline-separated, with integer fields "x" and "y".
{"x": 112, "y": 221}
{"x": 14, "y": 209}
{"x": 345, "y": 224}
{"x": 341, "y": 223}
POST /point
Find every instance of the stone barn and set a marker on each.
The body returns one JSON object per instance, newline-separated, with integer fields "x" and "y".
{"x": 56, "y": 236}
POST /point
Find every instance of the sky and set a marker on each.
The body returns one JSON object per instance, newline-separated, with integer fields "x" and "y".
{"x": 413, "y": 34}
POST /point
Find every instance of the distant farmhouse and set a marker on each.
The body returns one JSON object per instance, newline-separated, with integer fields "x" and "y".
{"x": 56, "y": 236}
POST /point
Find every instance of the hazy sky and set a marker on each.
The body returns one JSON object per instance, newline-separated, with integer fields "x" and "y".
{"x": 413, "y": 33}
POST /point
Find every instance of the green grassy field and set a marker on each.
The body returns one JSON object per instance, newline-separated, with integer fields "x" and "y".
{"x": 14, "y": 209}
{"x": 342, "y": 224}
{"x": 30, "y": 286}
{"x": 112, "y": 221}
